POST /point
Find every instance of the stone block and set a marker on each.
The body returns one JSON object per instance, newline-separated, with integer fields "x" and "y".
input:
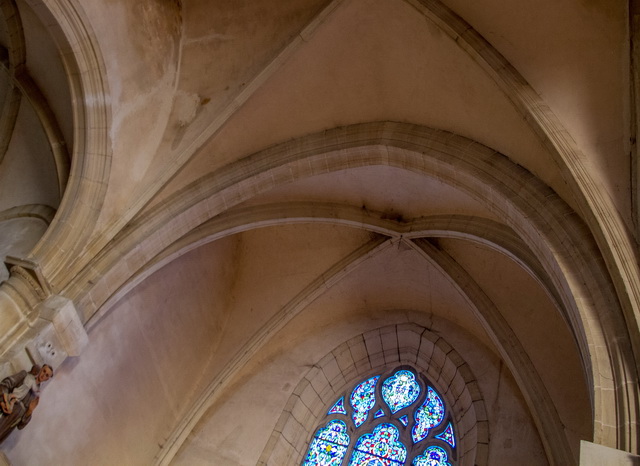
{"x": 358, "y": 349}
{"x": 70, "y": 331}
{"x": 344, "y": 359}
{"x": 373, "y": 342}
{"x": 592, "y": 454}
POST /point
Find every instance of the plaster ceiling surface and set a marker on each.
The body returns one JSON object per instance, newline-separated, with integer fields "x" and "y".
{"x": 359, "y": 63}
{"x": 140, "y": 77}
{"x": 275, "y": 267}
{"x": 157, "y": 341}
{"x": 180, "y": 65}
{"x": 226, "y": 43}
{"x": 396, "y": 286}
{"x": 396, "y": 280}
{"x": 396, "y": 193}
{"x": 536, "y": 321}
{"x": 574, "y": 53}
{"x": 368, "y": 62}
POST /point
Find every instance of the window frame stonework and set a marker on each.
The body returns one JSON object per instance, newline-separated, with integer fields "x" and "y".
{"x": 405, "y": 432}
{"x": 380, "y": 351}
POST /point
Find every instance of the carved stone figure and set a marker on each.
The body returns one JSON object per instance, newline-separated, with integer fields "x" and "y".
{"x": 19, "y": 396}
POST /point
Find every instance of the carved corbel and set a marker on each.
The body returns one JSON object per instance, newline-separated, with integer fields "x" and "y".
{"x": 56, "y": 334}
{"x": 42, "y": 328}
{"x": 26, "y": 285}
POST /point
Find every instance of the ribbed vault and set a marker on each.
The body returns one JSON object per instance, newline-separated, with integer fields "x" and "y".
{"x": 555, "y": 237}
{"x": 189, "y": 128}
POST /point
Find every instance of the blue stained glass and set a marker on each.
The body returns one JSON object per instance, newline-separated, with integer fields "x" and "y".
{"x": 405, "y": 420}
{"x": 432, "y": 456}
{"x": 378, "y": 414}
{"x": 328, "y": 446}
{"x": 380, "y": 448}
{"x": 429, "y": 415}
{"x": 400, "y": 390}
{"x": 448, "y": 436}
{"x": 338, "y": 407}
{"x": 362, "y": 399}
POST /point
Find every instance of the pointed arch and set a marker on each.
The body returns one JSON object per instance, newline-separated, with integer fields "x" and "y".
{"x": 414, "y": 345}
{"x": 91, "y": 158}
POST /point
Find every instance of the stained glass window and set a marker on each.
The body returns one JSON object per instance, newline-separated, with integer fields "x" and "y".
{"x": 433, "y": 456}
{"x": 405, "y": 428}
{"x": 362, "y": 400}
{"x": 338, "y": 407}
{"x": 429, "y": 415}
{"x": 448, "y": 436}
{"x": 329, "y": 445}
{"x": 379, "y": 448}
{"x": 400, "y": 390}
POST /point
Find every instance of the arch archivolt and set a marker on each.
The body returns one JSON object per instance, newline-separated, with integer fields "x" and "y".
{"x": 73, "y": 225}
{"x": 539, "y": 229}
{"x": 483, "y": 231}
{"x": 369, "y": 353}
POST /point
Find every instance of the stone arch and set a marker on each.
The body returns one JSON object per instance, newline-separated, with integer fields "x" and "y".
{"x": 91, "y": 158}
{"x": 371, "y": 352}
{"x": 68, "y": 232}
{"x": 491, "y": 234}
{"x": 556, "y": 236}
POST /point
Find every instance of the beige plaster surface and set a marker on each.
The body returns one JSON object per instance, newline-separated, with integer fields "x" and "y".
{"x": 267, "y": 279}
{"x": 118, "y": 402}
{"x": 539, "y": 327}
{"x": 327, "y": 83}
{"x": 219, "y": 437}
{"x": 412, "y": 196}
{"x": 141, "y": 65}
{"x": 572, "y": 53}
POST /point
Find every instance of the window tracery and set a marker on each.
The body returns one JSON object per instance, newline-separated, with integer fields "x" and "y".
{"x": 392, "y": 419}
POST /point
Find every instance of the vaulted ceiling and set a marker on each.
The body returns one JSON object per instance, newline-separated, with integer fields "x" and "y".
{"x": 241, "y": 187}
